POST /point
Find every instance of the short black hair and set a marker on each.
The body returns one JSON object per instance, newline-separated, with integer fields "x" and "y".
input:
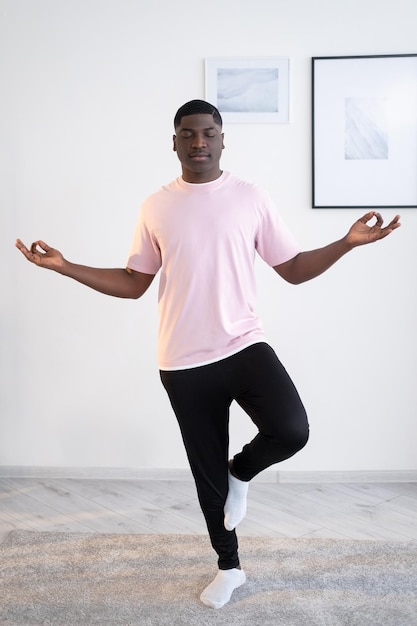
{"x": 194, "y": 107}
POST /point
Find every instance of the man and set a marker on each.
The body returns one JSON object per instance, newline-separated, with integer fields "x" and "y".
{"x": 201, "y": 231}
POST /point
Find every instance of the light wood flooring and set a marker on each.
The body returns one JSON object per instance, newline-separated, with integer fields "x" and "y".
{"x": 378, "y": 511}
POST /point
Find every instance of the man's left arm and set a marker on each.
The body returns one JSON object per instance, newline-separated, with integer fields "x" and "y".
{"x": 307, "y": 265}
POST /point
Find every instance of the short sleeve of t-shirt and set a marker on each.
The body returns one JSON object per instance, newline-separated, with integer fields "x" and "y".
{"x": 274, "y": 243}
{"x": 145, "y": 255}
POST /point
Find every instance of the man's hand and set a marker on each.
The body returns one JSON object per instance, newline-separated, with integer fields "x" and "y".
{"x": 41, "y": 254}
{"x": 360, "y": 233}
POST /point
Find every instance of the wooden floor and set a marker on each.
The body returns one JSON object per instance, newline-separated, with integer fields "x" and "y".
{"x": 379, "y": 511}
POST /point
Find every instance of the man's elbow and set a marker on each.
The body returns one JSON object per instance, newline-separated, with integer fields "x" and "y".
{"x": 288, "y": 272}
{"x": 140, "y": 282}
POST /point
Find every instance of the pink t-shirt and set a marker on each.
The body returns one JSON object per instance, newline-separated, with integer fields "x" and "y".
{"x": 203, "y": 238}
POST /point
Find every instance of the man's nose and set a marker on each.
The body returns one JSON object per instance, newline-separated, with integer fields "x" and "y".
{"x": 199, "y": 140}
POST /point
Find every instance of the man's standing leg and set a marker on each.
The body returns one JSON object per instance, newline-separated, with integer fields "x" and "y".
{"x": 201, "y": 402}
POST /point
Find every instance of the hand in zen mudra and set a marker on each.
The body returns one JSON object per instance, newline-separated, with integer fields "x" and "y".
{"x": 360, "y": 233}
{"x": 41, "y": 254}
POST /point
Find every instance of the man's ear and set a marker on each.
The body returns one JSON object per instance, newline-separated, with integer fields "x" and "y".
{"x": 222, "y": 141}
{"x": 174, "y": 142}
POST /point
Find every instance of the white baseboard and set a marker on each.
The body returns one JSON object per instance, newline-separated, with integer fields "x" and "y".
{"x": 95, "y": 472}
{"x": 269, "y": 476}
{"x": 361, "y": 476}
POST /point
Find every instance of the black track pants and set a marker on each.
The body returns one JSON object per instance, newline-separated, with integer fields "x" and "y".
{"x": 201, "y": 398}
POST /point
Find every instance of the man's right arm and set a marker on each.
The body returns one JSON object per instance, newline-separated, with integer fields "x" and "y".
{"x": 118, "y": 282}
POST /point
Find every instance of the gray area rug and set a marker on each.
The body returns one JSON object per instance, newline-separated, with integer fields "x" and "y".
{"x": 155, "y": 580}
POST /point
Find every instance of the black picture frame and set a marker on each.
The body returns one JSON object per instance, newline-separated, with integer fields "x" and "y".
{"x": 364, "y": 131}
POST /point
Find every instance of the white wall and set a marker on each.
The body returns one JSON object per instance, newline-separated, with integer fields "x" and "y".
{"x": 89, "y": 89}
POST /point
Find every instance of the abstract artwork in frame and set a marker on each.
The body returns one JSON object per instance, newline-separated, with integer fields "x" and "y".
{"x": 364, "y": 127}
{"x": 249, "y": 89}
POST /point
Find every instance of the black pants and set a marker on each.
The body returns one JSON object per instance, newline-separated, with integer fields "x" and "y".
{"x": 201, "y": 398}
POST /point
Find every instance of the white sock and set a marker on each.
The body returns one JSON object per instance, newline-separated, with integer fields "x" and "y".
{"x": 219, "y": 591}
{"x": 235, "y": 505}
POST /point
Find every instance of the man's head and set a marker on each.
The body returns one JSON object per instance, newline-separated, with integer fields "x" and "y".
{"x": 198, "y": 141}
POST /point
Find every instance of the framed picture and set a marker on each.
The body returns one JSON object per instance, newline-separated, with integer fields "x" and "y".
{"x": 249, "y": 89}
{"x": 364, "y": 118}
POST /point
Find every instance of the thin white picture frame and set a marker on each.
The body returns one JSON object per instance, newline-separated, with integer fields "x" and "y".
{"x": 364, "y": 131}
{"x": 249, "y": 89}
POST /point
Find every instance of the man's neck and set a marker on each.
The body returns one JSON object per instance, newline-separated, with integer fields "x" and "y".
{"x": 197, "y": 178}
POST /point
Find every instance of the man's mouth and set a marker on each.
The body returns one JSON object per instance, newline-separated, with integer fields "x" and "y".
{"x": 199, "y": 156}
